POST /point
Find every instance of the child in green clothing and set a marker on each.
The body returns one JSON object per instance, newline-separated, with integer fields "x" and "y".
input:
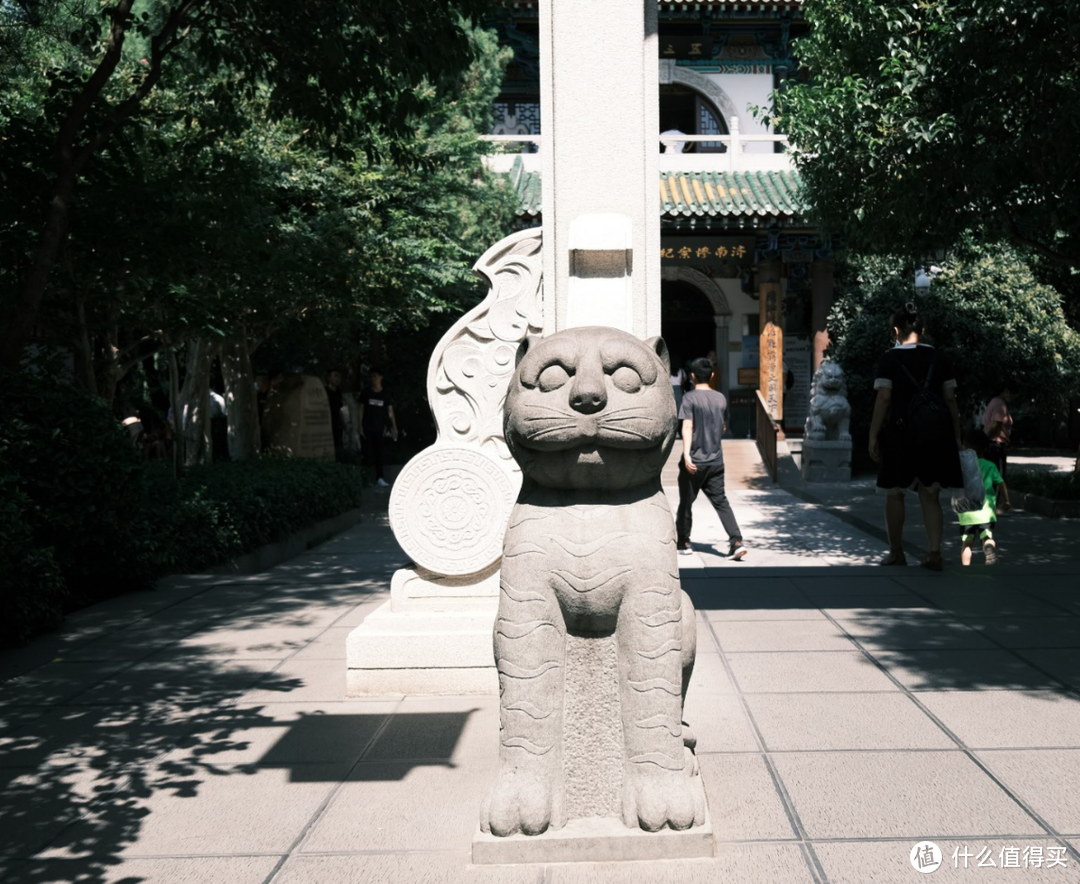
{"x": 977, "y": 526}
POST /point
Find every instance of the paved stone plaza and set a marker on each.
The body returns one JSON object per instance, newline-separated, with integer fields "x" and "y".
{"x": 844, "y": 712}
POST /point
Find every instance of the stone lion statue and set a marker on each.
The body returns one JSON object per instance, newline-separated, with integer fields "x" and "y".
{"x": 830, "y": 411}
{"x": 594, "y": 639}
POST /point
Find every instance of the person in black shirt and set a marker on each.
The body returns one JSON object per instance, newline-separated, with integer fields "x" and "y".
{"x": 925, "y": 466}
{"x": 376, "y": 412}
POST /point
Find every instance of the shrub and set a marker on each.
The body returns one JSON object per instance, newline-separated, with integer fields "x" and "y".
{"x": 985, "y": 307}
{"x": 1055, "y": 485}
{"x": 82, "y": 479}
{"x": 219, "y": 511}
{"x": 82, "y": 517}
{"x": 34, "y": 594}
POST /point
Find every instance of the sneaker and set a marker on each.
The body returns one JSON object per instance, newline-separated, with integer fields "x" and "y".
{"x": 990, "y": 551}
{"x": 736, "y": 551}
{"x": 684, "y": 548}
{"x": 382, "y": 483}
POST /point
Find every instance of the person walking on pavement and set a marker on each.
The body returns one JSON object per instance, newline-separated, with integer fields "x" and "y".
{"x": 376, "y": 410}
{"x": 703, "y": 413}
{"x": 915, "y": 434}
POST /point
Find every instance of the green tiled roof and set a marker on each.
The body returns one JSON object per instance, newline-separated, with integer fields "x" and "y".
{"x": 732, "y": 194}
{"x": 768, "y": 196}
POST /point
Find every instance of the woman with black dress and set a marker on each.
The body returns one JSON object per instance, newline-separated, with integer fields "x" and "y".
{"x": 915, "y": 433}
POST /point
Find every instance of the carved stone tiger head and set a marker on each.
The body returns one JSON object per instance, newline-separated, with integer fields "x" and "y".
{"x": 590, "y": 408}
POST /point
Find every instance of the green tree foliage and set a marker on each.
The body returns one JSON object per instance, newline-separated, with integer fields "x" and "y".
{"x": 985, "y": 308}
{"x": 209, "y": 215}
{"x": 352, "y": 77}
{"x": 917, "y": 121}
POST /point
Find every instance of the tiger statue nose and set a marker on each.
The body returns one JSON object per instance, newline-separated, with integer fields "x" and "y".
{"x": 588, "y": 395}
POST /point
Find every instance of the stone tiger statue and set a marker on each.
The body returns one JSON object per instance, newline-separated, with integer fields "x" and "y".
{"x": 830, "y": 412}
{"x": 589, "y": 554}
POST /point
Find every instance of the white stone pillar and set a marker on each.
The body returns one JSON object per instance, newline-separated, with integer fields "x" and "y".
{"x": 599, "y": 112}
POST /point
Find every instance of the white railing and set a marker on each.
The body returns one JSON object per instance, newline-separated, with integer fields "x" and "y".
{"x": 735, "y": 157}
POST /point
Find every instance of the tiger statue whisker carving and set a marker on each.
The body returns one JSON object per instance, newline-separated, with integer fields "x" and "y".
{"x": 590, "y": 552}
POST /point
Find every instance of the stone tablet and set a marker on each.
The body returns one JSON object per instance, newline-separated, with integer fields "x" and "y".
{"x": 297, "y": 419}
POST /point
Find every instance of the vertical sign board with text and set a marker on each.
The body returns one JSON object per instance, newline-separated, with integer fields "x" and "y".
{"x": 772, "y": 349}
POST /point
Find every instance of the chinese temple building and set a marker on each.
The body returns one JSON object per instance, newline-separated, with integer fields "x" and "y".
{"x": 737, "y": 249}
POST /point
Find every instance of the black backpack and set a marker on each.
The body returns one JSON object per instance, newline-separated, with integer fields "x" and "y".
{"x": 926, "y": 414}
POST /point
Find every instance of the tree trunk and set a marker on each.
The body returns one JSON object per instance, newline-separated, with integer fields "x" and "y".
{"x": 192, "y": 420}
{"x": 241, "y": 404}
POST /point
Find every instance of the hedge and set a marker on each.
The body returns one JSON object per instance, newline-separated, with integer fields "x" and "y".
{"x": 83, "y": 518}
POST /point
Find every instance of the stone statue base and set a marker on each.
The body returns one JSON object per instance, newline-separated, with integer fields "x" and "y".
{"x": 594, "y": 839}
{"x": 432, "y": 637}
{"x": 826, "y": 461}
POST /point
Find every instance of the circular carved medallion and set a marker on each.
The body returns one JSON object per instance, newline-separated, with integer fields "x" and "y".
{"x": 449, "y": 509}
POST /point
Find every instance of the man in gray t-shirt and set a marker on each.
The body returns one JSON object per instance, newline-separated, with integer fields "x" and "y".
{"x": 703, "y": 413}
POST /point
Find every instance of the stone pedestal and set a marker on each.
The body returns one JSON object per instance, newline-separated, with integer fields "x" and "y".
{"x": 595, "y": 840}
{"x": 826, "y": 461}
{"x": 432, "y": 637}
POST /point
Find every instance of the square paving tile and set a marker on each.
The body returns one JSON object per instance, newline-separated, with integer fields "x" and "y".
{"x": 1033, "y": 632}
{"x": 445, "y": 728}
{"x": 832, "y": 584}
{"x": 56, "y": 682}
{"x": 888, "y": 862}
{"x": 844, "y": 721}
{"x": 329, "y": 645}
{"x": 109, "y": 870}
{"x": 106, "y": 737}
{"x": 897, "y": 794}
{"x": 719, "y": 723}
{"x": 815, "y": 671}
{"x": 855, "y": 607}
{"x": 794, "y": 635}
{"x": 963, "y": 670}
{"x": 913, "y": 632}
{"x": 743, "y": 800}
{"x": 284, "y": 734}
{"x": 397, "y": 806}
{"x": 37, "y": 805}
{"x": 178, "y": 678}
{"x": 356, "y": 614}
{"x": 401, "y": 868}
{"x": 733, "y": 864}
{"x": 1063, "y": 664}
{"x": 709, "y": 676}
{"x": 1009, "y": 719}
{"x": 1047, "y": 780}
{"x": 258, "y": 642}
{"x": 300, "y": 681}
{"x": 183, "y": 809}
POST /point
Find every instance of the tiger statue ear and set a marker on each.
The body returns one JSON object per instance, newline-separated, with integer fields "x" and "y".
{"x": 660, "y": 348}
{"x": 523, "y": 348}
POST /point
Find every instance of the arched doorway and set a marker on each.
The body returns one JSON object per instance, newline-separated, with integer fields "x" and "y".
{"x": 686, "y": 110}
{"x": 686, "y": 321}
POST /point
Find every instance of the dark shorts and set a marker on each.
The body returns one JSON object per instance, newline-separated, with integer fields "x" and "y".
{"x": 980, "y": 532}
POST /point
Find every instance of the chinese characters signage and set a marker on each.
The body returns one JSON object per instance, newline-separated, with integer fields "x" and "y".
{"x": 711, "y": 251}
{"x": 696, "y": 47}
{"x": 772, "y": 350}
